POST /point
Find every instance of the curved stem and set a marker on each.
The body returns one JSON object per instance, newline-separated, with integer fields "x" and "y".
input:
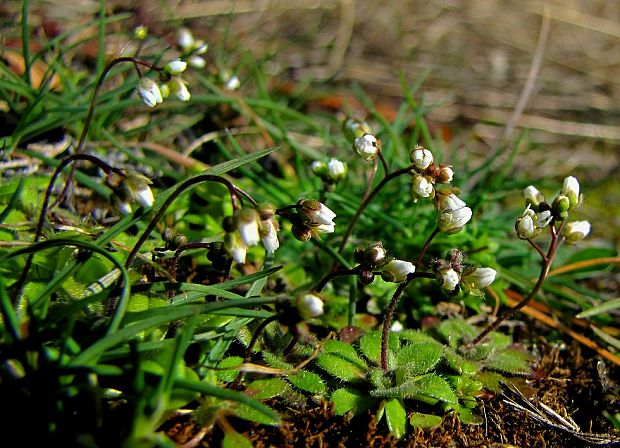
{"x": 425, "y": 247}
{"x": 45, "y": 207}
{"x": 367, "y": 201}
{"x": 250, "y": 347}
{"x": 91, "y": 112}
{"x": 544, "y": 271}
{"x": 175, "y": 194}
{"x": 320, "y": 285}
{"x": 181, "y": 249}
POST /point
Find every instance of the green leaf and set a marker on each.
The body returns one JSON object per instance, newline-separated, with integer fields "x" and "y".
{"x": 232, "y": 439}
{"x": 370, "y": 346}
{"x": 455, "y": 330}
{"x": 307, "y": 381}
{"x": 458, "y": 363}
{"x": 396, "y": 417}
{"x": 510, "y": 361}
{"x": 347, "y": 399}
{"x": 253, "y": 415}
{"x": 428, "y": 388}
{"x": 468, "y": 417}
{"x": 416, "y": 359}
{"x": 604, "y": 307}
{"x": 341, "y": 361}
{"x": 425, "y": 421}
{"x": 267, "y": 388}
{"x": 229, "y": 374}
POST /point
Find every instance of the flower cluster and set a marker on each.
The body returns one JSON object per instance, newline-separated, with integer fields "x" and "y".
{"x": 452, "y": 275}
{"x": 426, "y": 173}
{"x": 249, "y": 226}
{"x": 539, "y": 213}
{"x": 374, "y": 257}
{"x": 153, "y": 93}
{"x": 192, "y": 48}
{"x": 311, "y": 219}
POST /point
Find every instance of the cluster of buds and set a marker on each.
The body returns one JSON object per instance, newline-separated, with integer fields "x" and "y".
{"x": 539, "y": 213}
{"x": 374, "y": 257}
{"x": 426, "y": 173}
{"x": 311, "y": 219}
{"x": 365, "y": 144}
{"x": 331, "y": 172}
{"x": 133, "y": 188}
{"x": 453, "y": 212}
{"x": 192, "y": 48}
{"x": 249, "y": 226}
{"x": 153, "y": 93}
{"x": 452, "y": 275}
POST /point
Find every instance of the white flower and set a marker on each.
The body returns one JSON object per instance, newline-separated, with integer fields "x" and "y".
{"x": 232, "y": 83}
{"x": 197, "y": 62}
{"x": 135, "y": 189}
{"x": 236, "y": 247}
{"x": 422, "y": 187}
{"x": 178, "y": 87}
{"x": 570, "y": 189}
{"x": 448, "y": 278}
{"x": 247, "y": 225}
{"x": 397, "y": 270}
{"x": 309, "y": 306}
{"x": 336, "y": 169}
{"x": 353, "y": 128}
{"x": 319, "y": 168}
{"x": 200, "y": 47}
{"x": 533, "y": 196}
{"x": 185, "y": 39}
{"x": 367, "y": 146}
{"x": 421, "y": 157}
{"x": 452, "y": 221}
{"x": 269, "y": 236}
{"x": 450, "y": 202}
{"x": 530, "y": 224}
{"x": 396, "y": 327}
{"x": 176, "y": 67}
{"x": 149, "y": 92}
{"x": 479, "y": 278}
{"x": 576, "y": 231}
{"x": 316, "y": 213}
{"x": 124, "y": 208}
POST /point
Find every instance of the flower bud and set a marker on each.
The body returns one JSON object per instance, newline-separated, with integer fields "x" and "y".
{"x": 197, "y": 62}
{"x": 336, "y": 170}
{"x": 367, "y": 146}
{"x": 176, "y": 67}
{"x": 309, "y": 306}
{"x": 185, "y": 39}
{"x": 445, "y": 174}
{"x": 149, "y": 92}
{"x": 533, "y": 196}
{"x": 354, "y": 129}
{"x": 421, "y": 157}
{"x": 530, "y": 224}
{"x": 135, "y": 189}
{"x": 561, "y": 205}
{"x": 448, "y": 278}
{"x": 232, "y": 83}
{"x": 177, "y": 86}
{"x": 570, "y": 189}
{"x": 452, "y": 221}
{"x": 576, "y": 231}
{"x": 302, "y": 233}
{"x": 421, "y": 187}
{"x": 375, "y": 255}
{"x": 397, "y": 270}
{"x": 140, "y": 32}
{"x": 268, "y": 227}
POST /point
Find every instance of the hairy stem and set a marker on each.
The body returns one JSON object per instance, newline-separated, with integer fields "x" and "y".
{"x": 332, "y": 275}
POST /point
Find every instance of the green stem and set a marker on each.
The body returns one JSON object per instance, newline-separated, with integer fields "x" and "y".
{"x": 91, "y": 112}
{"x": 26, "y": 40}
